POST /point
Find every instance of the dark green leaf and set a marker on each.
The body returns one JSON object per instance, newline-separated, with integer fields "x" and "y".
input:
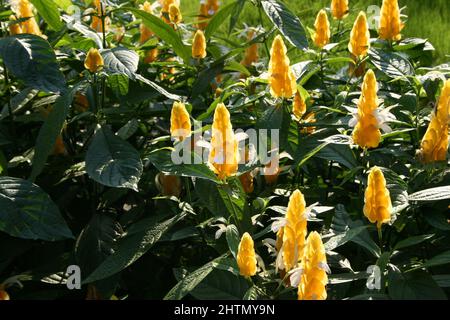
{"x": 112, "y": 161}
{"x": 412, "y": 241}
{"x": 417, "y": 285}
{"x": 131, "y": 248}
{"x": 31, "y": 59}
{"x": 233, "y": 239}
{"x": 219, "y": 17}
{"x": 220, "y": 285}
{"x": 188, "y": 283}
{"x": 50, "y": 131}
{"x": 288, "y": 24}
{"x": 433, "y": 194}
{"x": 27, "y": 212}
{"x": 392, "y": 64}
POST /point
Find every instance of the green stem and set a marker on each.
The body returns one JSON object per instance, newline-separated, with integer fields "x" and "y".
{"x": 261, "y": 21}
{"x": 103, "y": 17}
{"x": 380, "y": 238}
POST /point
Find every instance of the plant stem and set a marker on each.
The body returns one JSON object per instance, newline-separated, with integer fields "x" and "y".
{"x": 380, "y": 238}
{"x": 261, "y": 21}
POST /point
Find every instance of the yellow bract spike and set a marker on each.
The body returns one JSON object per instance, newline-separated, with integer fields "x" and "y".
{"x": 314, "y": 265}
{"x": 322, "y": 26}
{"x": 434, "y": 143}
{"x": 298, "y": 106}
{"x": 14, "y": 28}
{"x": 25, "y": 10}
{"x": 199, "y": 45}
{"x": 175, "y": 14}
{"x": 367, "y": 133}
{"x": 246, "y": 258}
{"x": 390, "y": 24}
{"x": 93, "y": 61}
{"x": 339, "y": 9}
{"x": 180, "y": 123}
{"x": 377, "y": 200}
{"x": 145, "y": 32}
{"x": 359, "y": 43}
{"x": 282, "y": 80}
{"x": 294, "y": 232}
{"x": 223, "y": 157}
{"x": 251, "y": 53}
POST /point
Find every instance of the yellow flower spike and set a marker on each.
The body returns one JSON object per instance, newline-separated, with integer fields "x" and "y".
{"x": 145, "y": 32}
{"x": 151, "y": 55}
{"x": 367, "y": 133}
{"x": 294, "y": 233}
{"x": 223, "y": 156}
{"x": 377, "y": 200}
{"x": 359, "y": 43}
{"x": 251, "y": 53}
{"x": 339, "y": 9}
{"x": 213, "y": 6}
{"x": 24, "y": 9}
{"x": 322, "y": 26}
{"x": 199, "y": 45}
{"x": 93, "y": 61}
{"x": 298, "y": 106}
{"x": 4, "y": 295}
{"x": 314, "y": 264}
{"x": 175, "y": 14}
{"x": 247, "y": 177}
{"x": 246, "y": 257}
{"x": 282, "y": 80}
{"x": 96, "y": 22}
{"x": 272, "y": 170}
{"x": 165, "y": 9}
{"x": 390, "y": 24}
{"x": 14, "y": 28}
{"x": 203, "y": 15}
{"x": 180, "y": 123}
{"x": 434, "y": 143}
{"x": 169, "y": 185}
{"x": 308, "y": 119}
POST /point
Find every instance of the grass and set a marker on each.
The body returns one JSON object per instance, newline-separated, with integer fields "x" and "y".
{"x": 426, "y": 19}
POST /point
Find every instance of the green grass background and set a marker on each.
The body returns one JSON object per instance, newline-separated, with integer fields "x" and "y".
{"x": 428, "y": 19}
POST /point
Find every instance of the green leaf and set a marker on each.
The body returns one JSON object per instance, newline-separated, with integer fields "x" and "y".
{"x": 188, "y": 283}
{"x": 119, "y": 84}
{"x": 31, "y": 59}
{"x": 221, "y": 285}
{"x": 160, "y": 89}
{"x": 437, "y": 220}
{"x": 161, "y": 159}
{"x": 235, "y": 13}
{"x": 417, "y": 285}
{"x": 343, "y": 238}
{"x": 392, "y": 64}
{"x": 442, "y": 280}
{"x": 398, "y": 191}
{"x": 48, "y": 10}
{"x": 340, "y": 153}
{"x": 252, "y": 293}
{"x": 120, "y": 60}
{"x": 288, "y": 24}
{"x": 219, "y": 18}
{"x": 112, "y": 161}
{"x": 50, "y": 131}
{"x": 27, "y": 212}
{"x": 233, "y": 239}
{"x": 412, "y": 241}
{"x": 440, "y": 259}
{"x": 433, "y": 194}
{"x": 128, "y": 129}
{"x": 132, "y": 247}
{"x": 163, "y": 30}
{"x": 96, "y": 242}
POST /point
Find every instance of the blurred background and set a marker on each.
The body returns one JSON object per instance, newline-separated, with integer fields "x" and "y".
{"x": 428, "y": 19}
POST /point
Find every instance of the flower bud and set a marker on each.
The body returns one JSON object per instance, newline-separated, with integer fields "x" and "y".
{"x": 93, "y": 61}
{"x": 246, "y": 257}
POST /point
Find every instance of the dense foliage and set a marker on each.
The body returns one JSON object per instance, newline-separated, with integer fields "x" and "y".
{"x": 96, "y": 96}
